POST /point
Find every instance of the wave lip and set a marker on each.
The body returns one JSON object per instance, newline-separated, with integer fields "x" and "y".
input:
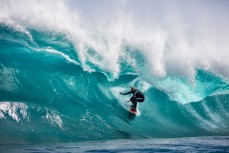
{"x": 103, "y": 43}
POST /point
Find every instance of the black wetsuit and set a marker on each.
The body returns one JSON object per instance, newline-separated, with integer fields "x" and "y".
{"x": 137, "y": 97}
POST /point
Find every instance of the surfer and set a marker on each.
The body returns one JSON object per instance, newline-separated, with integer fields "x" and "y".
{"x": 138, "y": 96}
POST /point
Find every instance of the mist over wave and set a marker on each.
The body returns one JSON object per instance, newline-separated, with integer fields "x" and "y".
{"x": 63, "y": 64}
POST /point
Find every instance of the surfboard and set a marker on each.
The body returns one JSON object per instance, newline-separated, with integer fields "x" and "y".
{"x": 133, "y": 111}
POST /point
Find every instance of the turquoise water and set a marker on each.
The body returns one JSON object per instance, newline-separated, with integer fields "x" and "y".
{"x": 46, "y": 96}
{"x": 63, "y": 64}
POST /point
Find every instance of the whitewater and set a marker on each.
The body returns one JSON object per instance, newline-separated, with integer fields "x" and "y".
{"x": 64, "y": 62}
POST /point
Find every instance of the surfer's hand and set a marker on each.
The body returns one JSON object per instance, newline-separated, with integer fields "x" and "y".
{"x": 128, "y": 101}
{"x": 121, "y": 93}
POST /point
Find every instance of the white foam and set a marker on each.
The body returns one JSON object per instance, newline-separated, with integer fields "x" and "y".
{"x": 17, "y": 27}
{"x": 11, "y": 108}
{"x": 60, "y": 53}
{"x": 54, "y": 118}
{"x": 170, "y": 36}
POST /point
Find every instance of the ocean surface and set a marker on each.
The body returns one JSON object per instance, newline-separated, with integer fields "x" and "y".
{"x": 63, "y": 65}
{"x": 191, "y": 144}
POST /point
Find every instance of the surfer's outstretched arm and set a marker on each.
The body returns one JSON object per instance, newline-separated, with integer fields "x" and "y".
{"x": 126, "y": 93}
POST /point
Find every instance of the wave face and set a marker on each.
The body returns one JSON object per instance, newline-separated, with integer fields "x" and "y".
{"x": 62, "y": 66}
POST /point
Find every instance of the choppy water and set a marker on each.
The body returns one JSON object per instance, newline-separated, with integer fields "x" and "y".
{"x": 196, "y": 144}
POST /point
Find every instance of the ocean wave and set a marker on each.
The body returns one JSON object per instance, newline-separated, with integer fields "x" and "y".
{"x": 61, "y": 83}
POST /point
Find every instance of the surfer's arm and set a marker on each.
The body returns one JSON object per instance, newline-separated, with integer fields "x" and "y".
{"x": 125, "y": 93}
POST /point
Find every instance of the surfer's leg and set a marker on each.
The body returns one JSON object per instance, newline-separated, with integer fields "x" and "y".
{"x": 139, "y": 99}
{"x": 134, "y": 102}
